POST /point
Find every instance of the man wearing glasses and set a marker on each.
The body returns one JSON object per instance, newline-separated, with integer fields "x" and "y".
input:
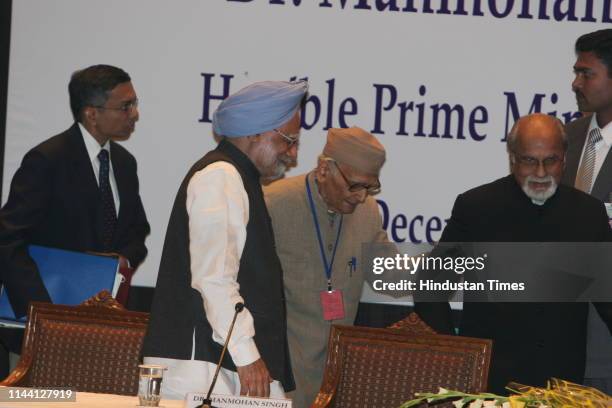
{"x": 77, "y": 190}
{"x": 219, "y": 252}
{"x": 531, "y": 341}
{"x": 321, "y": 219}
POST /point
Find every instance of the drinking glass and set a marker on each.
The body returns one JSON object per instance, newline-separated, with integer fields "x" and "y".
{"x": 149, "y": 384}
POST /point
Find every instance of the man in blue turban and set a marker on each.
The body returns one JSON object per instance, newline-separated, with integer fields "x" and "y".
{"x": 219, "y": 251}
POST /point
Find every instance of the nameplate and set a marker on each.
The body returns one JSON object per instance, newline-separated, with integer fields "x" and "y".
{"x": 194, "y": 399}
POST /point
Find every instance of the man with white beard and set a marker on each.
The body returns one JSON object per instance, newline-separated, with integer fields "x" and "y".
{"x": 536, "y": 148}
{"x": 532, "y": 341}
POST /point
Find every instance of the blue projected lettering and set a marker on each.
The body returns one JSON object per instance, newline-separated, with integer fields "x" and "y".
{"x": 416, "y": 230}
{"x": 513, "y": 112}
{"x": 544, "y": 10}
{"x": 440, "y": 120}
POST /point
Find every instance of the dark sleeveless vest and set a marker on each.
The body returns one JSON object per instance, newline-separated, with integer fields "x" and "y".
{"x": 178, "y": 309}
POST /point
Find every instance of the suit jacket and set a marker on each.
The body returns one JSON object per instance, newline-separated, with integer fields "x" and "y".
{"x": 54, "y": 201}
{"x": 531, "y": 341}
{"x": 599, "y": 344}
{"x": 304, "y": 274}
{"x": 577, "y": 136}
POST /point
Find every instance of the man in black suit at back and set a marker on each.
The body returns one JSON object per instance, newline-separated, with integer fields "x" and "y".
{"x": 531, "y": 341}
{"x": 589, "y": 168}
{"x": 77, "y": 190}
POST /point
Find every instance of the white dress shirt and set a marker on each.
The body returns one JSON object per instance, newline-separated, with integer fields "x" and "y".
{"x": 93, "y": 149}
{"x": 601, "y": 148}
{"x": 218, "y": 209}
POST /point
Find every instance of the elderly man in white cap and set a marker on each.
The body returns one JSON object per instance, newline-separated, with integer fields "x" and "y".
{"x": 321, "y": 219}
{"x": 219, "y": 251}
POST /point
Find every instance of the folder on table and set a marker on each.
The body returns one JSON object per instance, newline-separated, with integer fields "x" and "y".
{"x": 70, "y": 277}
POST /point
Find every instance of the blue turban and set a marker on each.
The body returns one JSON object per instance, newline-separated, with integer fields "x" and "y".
{"x": 258, "y": 108}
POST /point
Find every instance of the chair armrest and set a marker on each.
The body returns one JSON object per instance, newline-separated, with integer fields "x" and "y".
{"x": 20, "y": 374}
{"x": 323, "y": 400}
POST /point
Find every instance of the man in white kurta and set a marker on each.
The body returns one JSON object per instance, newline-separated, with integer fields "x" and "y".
{"x": 219, "y": 251}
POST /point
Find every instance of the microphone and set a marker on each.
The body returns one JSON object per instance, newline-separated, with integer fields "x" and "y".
{"x": 207, "y": 403}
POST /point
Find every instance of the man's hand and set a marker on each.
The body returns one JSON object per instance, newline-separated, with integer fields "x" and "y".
{"x": 255, "y": 379}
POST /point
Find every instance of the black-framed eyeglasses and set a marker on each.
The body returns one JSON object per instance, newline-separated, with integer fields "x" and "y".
{"x": 291, "y": 140}
{"x": 126, "y": 107}
{"x": 532, "y": 163}
{"x": 371, "y": 189}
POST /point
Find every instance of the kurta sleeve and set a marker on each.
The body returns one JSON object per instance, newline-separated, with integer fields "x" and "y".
{"x": 218, "y": 209}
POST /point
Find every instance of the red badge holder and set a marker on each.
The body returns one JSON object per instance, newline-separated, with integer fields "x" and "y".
{"x": 332, "y": 304}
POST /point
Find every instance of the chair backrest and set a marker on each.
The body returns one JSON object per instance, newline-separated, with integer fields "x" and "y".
{"x": 371, "y": 367}
{"x": 413, "y": 324}
{"x": 88, "y": 348}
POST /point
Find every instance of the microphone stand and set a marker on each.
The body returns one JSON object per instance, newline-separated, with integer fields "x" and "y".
{"x": 207, "y": 403}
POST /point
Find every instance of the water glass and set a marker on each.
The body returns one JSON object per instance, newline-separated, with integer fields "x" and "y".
{"x": 149, "y": 384}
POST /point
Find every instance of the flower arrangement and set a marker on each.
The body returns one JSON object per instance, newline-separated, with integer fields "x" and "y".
{"x": 558, "y": 394}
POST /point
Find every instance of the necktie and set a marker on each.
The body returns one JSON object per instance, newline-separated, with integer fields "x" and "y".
{"x": 584, "y": 180}
{"x": 108, "y": 204}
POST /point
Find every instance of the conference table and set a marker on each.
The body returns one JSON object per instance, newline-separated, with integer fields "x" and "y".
{"x": 92, "y": 400}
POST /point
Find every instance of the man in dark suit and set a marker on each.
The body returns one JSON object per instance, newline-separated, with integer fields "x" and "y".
{"x": 589, "y": 168}
{"x": 77, "y": 190}
{"x": 531, "y": 341}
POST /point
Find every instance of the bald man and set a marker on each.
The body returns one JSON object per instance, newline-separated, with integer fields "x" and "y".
{"x": 532, "y": 341}
{"x": 321, "y": 219}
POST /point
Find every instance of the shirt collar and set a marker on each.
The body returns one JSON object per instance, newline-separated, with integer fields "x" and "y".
{"x": 92, "y": 145}
{"x": 606, "y": 131}
{"x": 316, "y": 195}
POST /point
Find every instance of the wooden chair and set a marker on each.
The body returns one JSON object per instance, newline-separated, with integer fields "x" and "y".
{"x": 382, "y": 368}
{"x": 93, "y": 347}
{"x": 413, "y": 324}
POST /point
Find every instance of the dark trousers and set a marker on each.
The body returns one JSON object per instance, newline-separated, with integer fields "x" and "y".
{"x": 10, "y": 342}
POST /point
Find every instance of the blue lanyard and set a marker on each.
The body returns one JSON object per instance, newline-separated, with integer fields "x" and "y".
{"x": 328, "y": 267}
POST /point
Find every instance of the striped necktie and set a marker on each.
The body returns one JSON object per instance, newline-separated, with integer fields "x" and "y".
{"x": 108, "y": 203}
{"x": 584, "y": 181}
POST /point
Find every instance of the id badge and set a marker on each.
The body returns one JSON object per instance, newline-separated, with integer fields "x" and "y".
{"x": 333, "y": 306}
